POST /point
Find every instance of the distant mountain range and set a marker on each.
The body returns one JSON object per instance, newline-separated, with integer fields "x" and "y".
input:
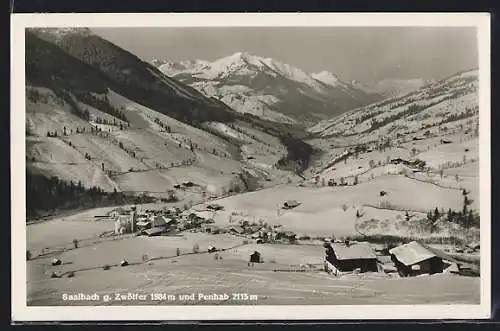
{"x": 434, "y": 106}
{"x": 99, "y": 115}
{"x": 268, "y": 88}
{"x": 394, "y": 87}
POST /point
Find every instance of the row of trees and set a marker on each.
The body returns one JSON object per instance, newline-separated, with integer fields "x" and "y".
{"x": 35, "y": 96}
{"x": 101, "y": 103}
{"x": 468, "y": 112}
{"x": 254, "y": 137}
{"x": 298, "y": 156}
{"x": 368, "y": 115}
{"x": 164, "y": 126}
{"x": 68, "y": 98}
{"x": 47, "y": 194}
{"x": 466, "y": 217}
{"x": 411, "y": 110}
{"x": 113, "y": 122}
{"x": 65, "y": 132}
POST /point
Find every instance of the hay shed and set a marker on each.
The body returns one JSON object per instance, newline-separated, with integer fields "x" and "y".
{"x": 255, "y": 257}
{"x": 414, "y": 258}
{"x": 350, "y": 256}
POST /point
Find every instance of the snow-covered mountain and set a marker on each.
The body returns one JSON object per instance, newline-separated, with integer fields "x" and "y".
{"x": 95, "y": 112}
{"x": 393, "y": 87}
{"x": 437, "y": 106}
{"x": 270, "y": 89}
{"x": 174, "y": 68}
{"x": 328, "y": 78}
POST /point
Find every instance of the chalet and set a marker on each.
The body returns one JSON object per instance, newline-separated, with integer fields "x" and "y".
{"x": 350, "y": 256}
{"x": 236, "y": 229}
{"x": 210, "y": 228}
{"x": 400, "y": 161}
{"x": 159, "y": 221}
{"x": 255, "y": 228}
{"x": 255, "y": 257}
{"x": 56, "y": 261}
{"x": 413, "y": 259}
{"x": 331, "y": 182}
{"x": 172, "y": 211}
{"x": 143, "y": 225}
{"x": 117, "y": 212}
{"x": 289, "y": 204}
{"x": 417, "y": 164}
{"x": 214, "y": 206}
{"x": 475, "y": 246}
{"x": 154, "y": 231}
{"x": 255, "y": 235}
{"x": 288, "y": 235}
{"x": 123, "y": 224}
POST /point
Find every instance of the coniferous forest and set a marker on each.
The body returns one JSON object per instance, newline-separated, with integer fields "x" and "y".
{"x": 46, "y": 195}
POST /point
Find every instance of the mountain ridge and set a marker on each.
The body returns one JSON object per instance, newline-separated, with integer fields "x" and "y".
{"x": 268, "y": 88}
{"x": 98, "y": 115}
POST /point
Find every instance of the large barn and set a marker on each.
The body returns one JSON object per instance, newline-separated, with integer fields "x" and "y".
{"x": 413, "y": 259}
{"x": 350, "y": 256}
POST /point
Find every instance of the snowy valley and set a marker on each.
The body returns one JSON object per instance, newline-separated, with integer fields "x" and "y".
{"x": 239, "y": 156}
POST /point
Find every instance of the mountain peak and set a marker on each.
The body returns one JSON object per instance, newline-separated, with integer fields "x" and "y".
{"x": 240, "y": 59}
{"x": 242, "y": 55}
{"x": 157, "y": 62}
{"x": 326, "y": 77}
{"x": 62, "y": 32}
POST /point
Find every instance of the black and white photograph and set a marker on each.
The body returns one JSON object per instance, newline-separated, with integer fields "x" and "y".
{"x": 196, "y": 165}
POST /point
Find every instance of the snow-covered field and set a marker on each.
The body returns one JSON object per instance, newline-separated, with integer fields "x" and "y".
{"x": 164, "y": 272}
{"x": 322, "y": 213}
{"x": 143, "y": 156}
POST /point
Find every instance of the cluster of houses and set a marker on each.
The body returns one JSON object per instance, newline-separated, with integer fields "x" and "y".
{"x": 342, "y": 256}
{"x": 155, "y": 222}
{"x": 410, "y": 259}
{"x": 173, "y": 220}
{"x": 419, "y": 164}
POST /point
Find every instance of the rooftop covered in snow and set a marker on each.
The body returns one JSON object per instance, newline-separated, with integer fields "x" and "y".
{"x": 353, "y": 251}
{"x": 412, "y": 253}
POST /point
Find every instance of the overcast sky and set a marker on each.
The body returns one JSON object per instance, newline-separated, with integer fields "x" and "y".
{"x": 366, "y": 54}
